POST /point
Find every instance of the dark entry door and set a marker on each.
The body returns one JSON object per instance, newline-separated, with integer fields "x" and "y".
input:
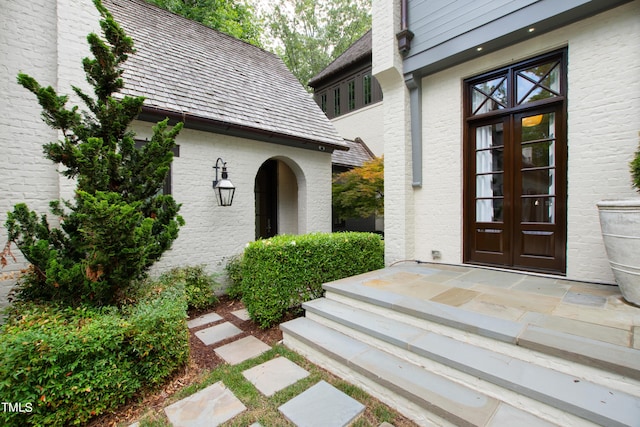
{"x": 266, "y": 193}
{"x": 515, "y": 166}
{"x": 516, "y": 212}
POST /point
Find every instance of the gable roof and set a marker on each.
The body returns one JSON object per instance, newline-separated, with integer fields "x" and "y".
{"x": 359, "y": 50}
{"x": 358, "y": 154}
{"x": 214, "y": 82}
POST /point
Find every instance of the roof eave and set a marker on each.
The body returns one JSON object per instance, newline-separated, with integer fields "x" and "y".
{"x": 191, "y": 121}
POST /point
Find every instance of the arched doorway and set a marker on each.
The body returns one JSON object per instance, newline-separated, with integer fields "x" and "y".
{"x": 276, "y": 199}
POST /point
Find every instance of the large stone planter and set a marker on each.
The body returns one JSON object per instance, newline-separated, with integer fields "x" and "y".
{"x": 620, "y": 223}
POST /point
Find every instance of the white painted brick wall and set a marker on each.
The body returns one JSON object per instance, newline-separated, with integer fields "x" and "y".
{"x": 365, "y": 123}
{"x": 47, "y": 40}
{"x": 399, "y": 205}
{"x": 603, "y": 126}
{"x": 27, "y": 44}
{"x": 212, "y": 233}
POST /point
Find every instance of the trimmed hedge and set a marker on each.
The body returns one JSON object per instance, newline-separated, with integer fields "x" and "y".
{"x": 281, "y": 273}
{"x": 66, "y": 365}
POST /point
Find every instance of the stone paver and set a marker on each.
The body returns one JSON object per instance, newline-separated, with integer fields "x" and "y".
{"x": 212, "y": 406}
{"x": 203, "y": 320}
{"x": 242, "y": 314}
{"x": 320, "y": 406}
{"x": 218, "y": 333}
{"x": 241, "y": 350}
{"x": 275, "y": 375}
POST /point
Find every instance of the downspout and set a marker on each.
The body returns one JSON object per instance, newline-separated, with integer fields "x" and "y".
{"x": 414, "y": 85}
{"x": 415, "y": 97}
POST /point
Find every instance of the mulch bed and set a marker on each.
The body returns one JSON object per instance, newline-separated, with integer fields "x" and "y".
{"x": 202, "y": 359}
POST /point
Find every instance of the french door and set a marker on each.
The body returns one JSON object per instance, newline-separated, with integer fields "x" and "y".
{"x": 515, "y": 168}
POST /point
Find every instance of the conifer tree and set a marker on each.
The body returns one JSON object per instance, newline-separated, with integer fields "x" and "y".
{"x": 118, "y": 223}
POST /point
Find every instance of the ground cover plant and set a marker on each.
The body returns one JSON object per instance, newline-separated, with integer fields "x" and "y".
{"x": 282, "y": 272}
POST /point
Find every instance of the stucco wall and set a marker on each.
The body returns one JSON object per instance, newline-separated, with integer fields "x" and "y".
{"x": 603, "y": 125}
{"x": 365, "y": 123}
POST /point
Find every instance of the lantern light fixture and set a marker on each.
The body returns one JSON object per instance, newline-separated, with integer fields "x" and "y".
{"x": 223, "y": 187}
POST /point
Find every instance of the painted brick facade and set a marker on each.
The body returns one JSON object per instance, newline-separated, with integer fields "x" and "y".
{"x": 603, "y": 125}
{"x": 365, "y": 123}
{"x": 47, "y": 40}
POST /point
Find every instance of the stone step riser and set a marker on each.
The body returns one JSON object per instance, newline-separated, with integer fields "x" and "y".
{"x": 580, "y": 367}
{"x": 498, "y": 375}
{"x": 622, "y": 362}
{"x": 425, "y": 397}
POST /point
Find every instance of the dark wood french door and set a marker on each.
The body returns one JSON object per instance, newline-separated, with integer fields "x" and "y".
{"x": 515, "y": 169}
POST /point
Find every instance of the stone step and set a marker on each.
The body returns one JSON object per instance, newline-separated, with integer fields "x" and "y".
{"x": 440, "y": 401}
{"x": 617, "y": 359}
{"x": 568, "y": 393}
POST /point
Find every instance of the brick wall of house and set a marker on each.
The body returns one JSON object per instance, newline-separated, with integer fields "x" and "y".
{"x": 603, "y": 125}
{"x": 212, "y": 233}
{"x": 399, "y": 206}
{"x": 47, "y": 39}
{"x": 27, "y": 44}
{"x": 365, "y": 123}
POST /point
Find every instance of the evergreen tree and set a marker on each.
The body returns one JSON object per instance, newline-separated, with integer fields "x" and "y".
{"x": 119, "y": 223}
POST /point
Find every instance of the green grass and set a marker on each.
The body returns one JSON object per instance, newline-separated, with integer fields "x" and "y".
{"x": 264, "y": 409}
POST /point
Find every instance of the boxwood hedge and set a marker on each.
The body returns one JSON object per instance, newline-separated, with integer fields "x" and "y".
{"x": 61, "y": 366}
{"x": 281, "y": 273}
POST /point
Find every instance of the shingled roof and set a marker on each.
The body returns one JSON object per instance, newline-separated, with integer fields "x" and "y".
{"x": 215, "y": 82}
{"x": 359, "y": 50}
{"x": 358, "y": 154}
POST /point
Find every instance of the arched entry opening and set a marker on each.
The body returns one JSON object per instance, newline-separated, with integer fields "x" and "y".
{"x": 276, "y": 199}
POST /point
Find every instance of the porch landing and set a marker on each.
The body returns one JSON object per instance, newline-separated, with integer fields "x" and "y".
{"x": 455, "y": 345}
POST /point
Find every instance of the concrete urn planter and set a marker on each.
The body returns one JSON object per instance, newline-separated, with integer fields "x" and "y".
{"x": 620, "y": 223}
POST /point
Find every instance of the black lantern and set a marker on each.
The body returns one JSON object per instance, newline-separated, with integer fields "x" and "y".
{"x": 223, "y": 188}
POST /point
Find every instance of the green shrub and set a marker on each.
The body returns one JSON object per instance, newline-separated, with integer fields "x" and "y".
{"x": 234, "y": 273}
{"x": 283, "y": 272}
{"x": 70, "y": 364}
{"x": 199, "y": 287}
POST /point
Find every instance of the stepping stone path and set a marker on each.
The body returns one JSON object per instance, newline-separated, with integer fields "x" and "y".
{"x": 321, "y": 405}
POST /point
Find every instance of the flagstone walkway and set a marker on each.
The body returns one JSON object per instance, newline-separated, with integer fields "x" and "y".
{"x": 321, "y": 405}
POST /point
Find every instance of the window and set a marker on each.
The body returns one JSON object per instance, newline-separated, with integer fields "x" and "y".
{"x": 352, "y": 95}
{"x": 323, "y": 102}
{"x": 366, "y": 88}
{"x": 336, "y": 101}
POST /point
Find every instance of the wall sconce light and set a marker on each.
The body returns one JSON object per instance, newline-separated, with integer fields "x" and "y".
{"x": 223, "y": 188}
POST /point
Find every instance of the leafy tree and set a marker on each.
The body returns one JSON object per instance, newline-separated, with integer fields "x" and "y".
{"x": 227, "y": 16}
{"x": 310, "y": 34}
{"x": 119, "y": 224}
{"x": 359, "y": 192}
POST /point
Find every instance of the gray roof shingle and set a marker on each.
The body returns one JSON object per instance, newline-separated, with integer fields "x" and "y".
{"x": 185, "y": 68}
{"x": 359, "y": 50}
{"x": 358, "y": 154}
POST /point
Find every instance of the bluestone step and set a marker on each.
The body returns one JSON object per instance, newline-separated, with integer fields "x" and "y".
{"x": 590, "y": 352}
{"x": 441, "y": 396}
{"x": 577, "y": 396}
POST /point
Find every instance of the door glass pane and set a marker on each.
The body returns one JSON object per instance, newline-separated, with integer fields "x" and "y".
{"x": 538, "y": 126}
{"x": 489, "y": 136}
{"x": 538, "y": 209}
{"x": 489, "y": 210}
{"x": 538, "y": 182}
{"x": 490, "y": 160}
{"x": 540, "y": 82}
{"x": 490, "y": 185}
{"x": 489, "y": 95}
{"x": 537, "y": 155}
